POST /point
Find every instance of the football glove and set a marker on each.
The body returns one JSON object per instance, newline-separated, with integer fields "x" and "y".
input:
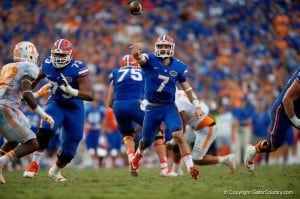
{"x": 67, "y": 88}
{"x": 143, "y": 104}
{"x": 296, "y": 121}
{"x": 44, "y": 116}
{"x": 44, "y": 90}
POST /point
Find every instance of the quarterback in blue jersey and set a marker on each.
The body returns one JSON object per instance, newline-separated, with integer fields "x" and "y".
{"x": 125, "y": 96}
{"x": 71, "y": 85}
{"x": 285, "y": 113}
{"x": 162, "y": 71}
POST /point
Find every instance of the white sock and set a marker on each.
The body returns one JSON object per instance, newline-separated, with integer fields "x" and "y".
{"x": 56, "y": 169}
{"x": 4, "y": 159}
{"x": 187, "y": 159}
{"x": 223, "y": 159}
{"x": 176, "y": 167}
{"x": 164, "y": 165}
{"x": 37, "y": 156}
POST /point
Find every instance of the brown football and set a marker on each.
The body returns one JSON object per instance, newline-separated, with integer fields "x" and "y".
{"x": 135, "y": 8}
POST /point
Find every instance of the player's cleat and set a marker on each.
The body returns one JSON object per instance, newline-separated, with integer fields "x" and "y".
{"x": 194, "y": 172}
{"x": 179, "y": 172}
{"x": 2, "y": 179}
{"x": 132, "y": 171}
{"x": 56, "y": 175}
{"x": 135, "y": 161}
{"x": 231, "y": 163}
{"x": 249, "y": 156}
{"x": 166, "y": 173}
{"x": 31, "y": 170}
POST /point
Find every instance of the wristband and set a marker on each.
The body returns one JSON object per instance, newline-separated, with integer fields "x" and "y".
{"x": 295, "y": 120}
{"x": 35, "y": 94}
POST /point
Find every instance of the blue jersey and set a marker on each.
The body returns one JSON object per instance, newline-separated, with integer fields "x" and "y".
{"x": 72, "y": 72}
{"x": 160, "y": 80}
{"x": 280, "y": 122}
{"x": 295, "y": 76}
{"x": 128, "y": 83}
{"x": 66, "y": 111}
{"x": 95, "y": 115}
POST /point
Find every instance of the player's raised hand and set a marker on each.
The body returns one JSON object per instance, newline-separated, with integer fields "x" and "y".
{"x": 49, "y": 119}
{"x": 44, "y": 90}
{"x": 136, "y": 49}
{"x": 44, "y": 115}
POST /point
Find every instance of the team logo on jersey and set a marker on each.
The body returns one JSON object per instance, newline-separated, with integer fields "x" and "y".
{"x": 69, "y": 79}
{"x": 47, "y": 61}
{"x": 173, "y": 73}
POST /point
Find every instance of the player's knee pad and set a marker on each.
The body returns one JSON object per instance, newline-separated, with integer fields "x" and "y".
{"x": 43, "y": 137}
{"x": 64, "y": 159}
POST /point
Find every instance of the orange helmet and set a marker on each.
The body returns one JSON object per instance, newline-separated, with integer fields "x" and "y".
{"x": 164, "y": 46}
{"x": 61, "y": 53}
{"x": 128, "y": 60}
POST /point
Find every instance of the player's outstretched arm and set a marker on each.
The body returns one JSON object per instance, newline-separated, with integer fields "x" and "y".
{"x": 26, "y": 84}
{"x": 192, "y": 97}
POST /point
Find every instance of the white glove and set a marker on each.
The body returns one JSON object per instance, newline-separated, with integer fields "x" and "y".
{"x": 45, "y": 116}
{"x": 296, "y": 121}
{"x": 67, "y": 88}
{"x": 143, "y": 104}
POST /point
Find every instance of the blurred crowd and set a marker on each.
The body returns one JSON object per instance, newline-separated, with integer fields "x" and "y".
{"x": 240, "y": 53}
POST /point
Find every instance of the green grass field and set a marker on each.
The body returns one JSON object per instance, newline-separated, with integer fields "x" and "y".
{"x": 214, "y": 182}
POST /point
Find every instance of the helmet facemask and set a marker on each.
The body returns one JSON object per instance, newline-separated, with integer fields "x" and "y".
{"x": 60, "y": 60}
{"x": 61, "y": 53}
{"x": 164, "y": 47}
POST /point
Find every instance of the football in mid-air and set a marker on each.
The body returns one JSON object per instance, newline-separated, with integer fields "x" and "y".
{"x": 135, "y": 8}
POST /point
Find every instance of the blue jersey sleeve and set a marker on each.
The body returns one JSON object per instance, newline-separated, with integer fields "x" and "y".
{"x": 182, "y": 77}
{"x": 298, "y": 77}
